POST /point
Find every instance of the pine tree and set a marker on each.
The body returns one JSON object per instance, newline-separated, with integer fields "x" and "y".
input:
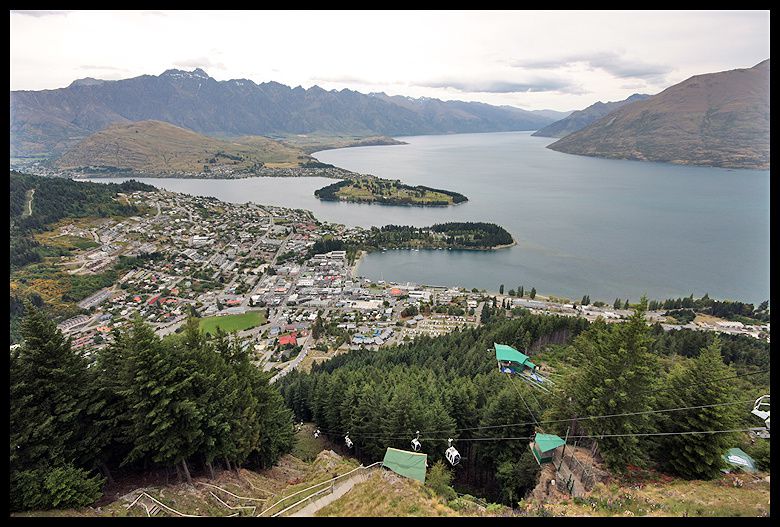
{"x": 617, "y": 304}
{"x": 698, "y": 456}
{"x": 165, "y": 421}
{"x": 275, "y": 420}
{"x": 615, "y": 374}
{"x": 317, "y": 327}
{"x": 242, "y": 406}
{"x": 50, "y": 427}
{"x": 213, "y": 390}
{"x": 501, "y": 289}
{"x": 109, "y": 408}
{"x": 533, "y": 293}
{"x": 520, "y": 291}
{"x": 371, "y": 408}
{"x": 626, "y": 306}
{"x": 507, "y": 407}
{"x": 48, "y": 383}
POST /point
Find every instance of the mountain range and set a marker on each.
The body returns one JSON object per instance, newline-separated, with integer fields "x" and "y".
{"x": 48, "y": 122}
{"x": 716, "y": 119}
{"x": 582, "y": 118}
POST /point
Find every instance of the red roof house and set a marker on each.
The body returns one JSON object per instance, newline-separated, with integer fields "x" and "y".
{"x": 288, "y": 339}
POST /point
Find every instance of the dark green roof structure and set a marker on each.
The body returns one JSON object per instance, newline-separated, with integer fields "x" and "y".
{"x": 547, "y": 442}
{"x": 736, "y": 457}
{"x": 543, "y": 445}
{"x": 506, "y": 353}
{"x": 411, "y": 465}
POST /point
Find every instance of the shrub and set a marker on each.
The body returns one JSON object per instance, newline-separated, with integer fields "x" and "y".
{"x": 61, "y": 487}
{"x": 759, "y": 451}
{"x": 439, "y": 479}
{"x": 69, "y": 486}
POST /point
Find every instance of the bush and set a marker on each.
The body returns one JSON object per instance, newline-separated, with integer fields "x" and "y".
{"x": 61, "y": 487}
{"x": 759, "y": 451}
{"x": 69, "y": 486}
{"x": 439, "y": 479}
{"x": 26, "y": 492}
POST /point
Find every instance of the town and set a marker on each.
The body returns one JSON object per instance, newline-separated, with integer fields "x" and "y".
{"x": 252, "y": 269}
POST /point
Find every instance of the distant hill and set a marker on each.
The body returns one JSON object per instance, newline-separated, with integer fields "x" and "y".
{"x": 582, "y": 118}
{"x": 552, "y": 114}
{"x": 717, "y": 119}
{"x": 159, "y": 147}
{"x": 51, "y": 121}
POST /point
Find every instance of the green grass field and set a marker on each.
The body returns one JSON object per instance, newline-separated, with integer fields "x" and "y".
{"x": 230, "y": 323}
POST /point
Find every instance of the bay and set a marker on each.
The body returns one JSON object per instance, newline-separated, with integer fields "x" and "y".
{"x": 606, "y": 228}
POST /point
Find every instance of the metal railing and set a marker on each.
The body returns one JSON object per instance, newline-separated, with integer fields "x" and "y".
{"x": 570, "y": 467}
{"x": 326, "y": 486}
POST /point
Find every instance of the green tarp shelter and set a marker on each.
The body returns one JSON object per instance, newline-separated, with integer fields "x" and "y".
{"x": 405, "y": 463}
{"x": 543, "y": 445}
{"x": 737, "y": 457}
{"x": 506, "y": 353}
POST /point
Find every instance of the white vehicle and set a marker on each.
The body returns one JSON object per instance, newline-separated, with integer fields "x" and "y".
{"x": 416, "y": 443}
{"x": 761, "y": 410}
{"x": 452, "y": 455}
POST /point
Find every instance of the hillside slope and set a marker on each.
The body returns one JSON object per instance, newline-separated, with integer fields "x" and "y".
{"x": 718, "y": 119}
{"x": 49, "y": 121}
{"x": 156, "y": 146}
{"x": 387, "y": 494}
{"x": 582, "y": 118}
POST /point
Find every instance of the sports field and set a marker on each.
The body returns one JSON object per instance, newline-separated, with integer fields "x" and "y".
{"x": 230, "y": 323}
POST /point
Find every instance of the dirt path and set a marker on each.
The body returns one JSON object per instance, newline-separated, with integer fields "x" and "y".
{"x": 28, "y": 212}
{"x": 338, "y": 491}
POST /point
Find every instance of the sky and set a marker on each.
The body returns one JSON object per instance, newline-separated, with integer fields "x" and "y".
{"x": 560, "y": 60}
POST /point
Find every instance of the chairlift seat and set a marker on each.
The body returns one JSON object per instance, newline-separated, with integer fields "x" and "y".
{"x": 452, "y": 455}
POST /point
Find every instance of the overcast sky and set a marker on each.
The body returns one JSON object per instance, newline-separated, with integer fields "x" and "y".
{"x": 529, "y": 59}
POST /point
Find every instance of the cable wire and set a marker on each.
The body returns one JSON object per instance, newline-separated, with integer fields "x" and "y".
{"x": 640, "y": 434}
{"x": 663, "y": 410}
{"x": 521, "y": 398}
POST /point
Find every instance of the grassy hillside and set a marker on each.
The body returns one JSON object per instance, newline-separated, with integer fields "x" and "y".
{"x": 152, "y": 147}
{"x": 731, "y": 495}
{"x": 387, "y": 494}
{"x": 310, "y": 143}
{"x": 258, "y": 489}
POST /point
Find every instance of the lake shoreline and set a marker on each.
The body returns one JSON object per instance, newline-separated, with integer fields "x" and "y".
{"x": 605, "y": 228}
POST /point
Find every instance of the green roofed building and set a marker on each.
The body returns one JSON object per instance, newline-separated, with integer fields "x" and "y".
{"x": 738, "y": 458}
{"x": 506, "y": 353}
{"x": 543, "y": 447}
{"x": 408, "y": 464}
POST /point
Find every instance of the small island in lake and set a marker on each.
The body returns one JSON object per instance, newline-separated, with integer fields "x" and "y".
{"x": 469, "y": 236}
{"x": 370, "y": 189}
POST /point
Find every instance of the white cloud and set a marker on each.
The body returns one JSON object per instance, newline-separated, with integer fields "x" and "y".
{"x": 199, "y": 62}
{"x": 39, "y": 14}
{"x": 535, "y": 59}
{"x": 615, "y": 64}
{"x": 540, "y": 84}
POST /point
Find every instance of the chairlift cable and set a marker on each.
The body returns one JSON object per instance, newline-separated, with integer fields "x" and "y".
{"x": 522, "y": 399}
{"x": 639, "y": 434}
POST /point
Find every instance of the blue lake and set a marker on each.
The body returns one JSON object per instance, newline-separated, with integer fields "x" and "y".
{"x": 606, "y": 228}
